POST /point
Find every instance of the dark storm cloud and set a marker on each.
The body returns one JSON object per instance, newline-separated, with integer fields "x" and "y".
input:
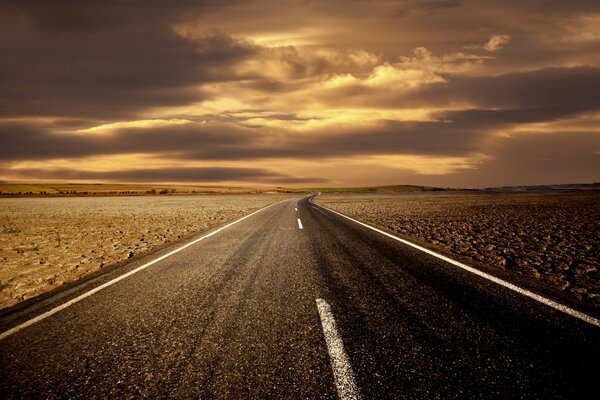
{"x": 30, "y": 141}
{"x": 544, "y": 6}
{"x": 195, "y": 174}
{"x": 105, "y": 59}
{"x": 537, "y": 158}
{"x": 550, "y": 7}
{"x": 384, "y": 138}
{"x": 84, "y": 16}
{"x": 115, "y": 59}
{"x": 526, "y": 158}
{"x": 425, "y": 5}
{"x": 570, "y": 89}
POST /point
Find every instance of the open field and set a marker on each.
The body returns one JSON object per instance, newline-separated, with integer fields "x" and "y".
{"x": 46, "y": 242}
{"x": 553, "y": 237}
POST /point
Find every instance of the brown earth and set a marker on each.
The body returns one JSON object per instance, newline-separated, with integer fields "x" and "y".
{"x": 46, "y": 242}
{"x": 553, "y": 237}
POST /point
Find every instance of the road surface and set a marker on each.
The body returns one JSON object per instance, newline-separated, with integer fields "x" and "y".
{"x": 296, "y": 302}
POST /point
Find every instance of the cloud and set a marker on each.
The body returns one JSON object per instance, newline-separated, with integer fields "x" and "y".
{"x": 559, "y": 91}
{"x": 290, "y": 62}
{"x": 523, "y": 158}
{"x": 538, "y": 158}
{"x": 217, "y": 84}
{"x": 429, "y": 6}
{"x": 501, "y": 106}
{"x": 35, "y": 141}
{"x": 451, "y": 63}
{"x": 196, "y": 174}
{"x": 454, "y": 134}
{"x": 108, "y": 61}
{"x": 496, "y": 42}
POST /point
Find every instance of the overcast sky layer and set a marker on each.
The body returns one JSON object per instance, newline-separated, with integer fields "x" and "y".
{"x": 450, "y": 93}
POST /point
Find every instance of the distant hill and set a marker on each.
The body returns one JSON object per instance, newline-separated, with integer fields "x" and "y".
{"x": 542, "y": 188}
{"x": 368, "y": 189}
{"x": 104, "y": 189}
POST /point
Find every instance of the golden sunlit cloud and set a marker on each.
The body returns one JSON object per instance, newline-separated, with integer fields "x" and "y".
{"x": 95, "y": 163}
{"x": 284, "y": 39}
{"x": 144, "y": 123}
{"x": 496, "y": 43}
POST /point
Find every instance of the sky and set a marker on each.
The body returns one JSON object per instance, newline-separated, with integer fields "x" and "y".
{"x": 300, "y": 93}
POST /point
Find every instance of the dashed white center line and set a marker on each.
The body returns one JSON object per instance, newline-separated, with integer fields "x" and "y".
{"x": 342, "y": 370}
{"x": 296, "y": 208}
{"x": 300, "y": 224}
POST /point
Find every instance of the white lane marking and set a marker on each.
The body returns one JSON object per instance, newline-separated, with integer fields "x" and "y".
{"x": 342, "y": 370}
{"x": 296, "y": 208}
{"x": 300, "y": 224}
{"x": 61, "y": 307}
{"x": 551, "y": 303}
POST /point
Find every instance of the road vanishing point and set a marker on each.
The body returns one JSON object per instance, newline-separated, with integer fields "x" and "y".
{"x": 295, "y": 301}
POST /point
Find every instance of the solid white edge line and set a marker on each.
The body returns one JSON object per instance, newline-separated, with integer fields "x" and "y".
{"x": 342, "y": 370}
{"x": 551, "y": 303}
{"x": 77, "y": 299}
{"x": 300, "y": 224}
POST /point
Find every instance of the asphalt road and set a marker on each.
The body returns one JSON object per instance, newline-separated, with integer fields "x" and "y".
{"x": 236, "y": 316}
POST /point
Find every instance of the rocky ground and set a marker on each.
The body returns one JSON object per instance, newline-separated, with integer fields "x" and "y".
{"x": 46, "y": 242}
{"x": 554, "y": 237}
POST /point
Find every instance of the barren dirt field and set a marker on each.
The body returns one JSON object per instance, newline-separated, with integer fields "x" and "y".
{"x": 45, "y": 242}
{"x": 554, "y": 237}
